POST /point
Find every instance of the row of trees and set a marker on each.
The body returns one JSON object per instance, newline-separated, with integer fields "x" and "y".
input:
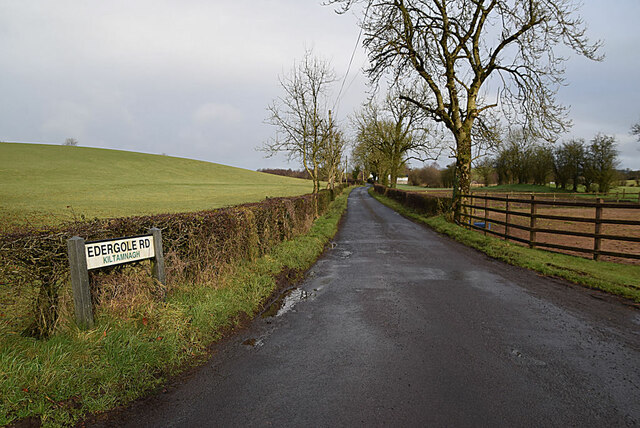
{"x": 574, "y": 162}
{"x": 388, "y": 135}
{"x": 468, "y": 65}
{"x": 441, "y": 58}
{"x": 432, "y": 176}
{"x": 286, "y": 172}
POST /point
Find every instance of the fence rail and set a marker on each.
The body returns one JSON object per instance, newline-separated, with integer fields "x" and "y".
{"x": 525, "y": 219}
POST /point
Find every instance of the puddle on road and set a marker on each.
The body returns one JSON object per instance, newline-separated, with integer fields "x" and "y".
{"x": 253, "y": 342}
{"x": 284, "y": 303}
{"x": 527, "y": 359}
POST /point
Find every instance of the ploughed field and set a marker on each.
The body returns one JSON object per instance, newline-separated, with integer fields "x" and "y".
{"x": 49, "y": 184}
{"x": 623, "y": 230}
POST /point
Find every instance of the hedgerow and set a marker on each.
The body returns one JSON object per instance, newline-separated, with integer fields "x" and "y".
{"x": 34, "y": 268}
{"x": 418, "y": 201}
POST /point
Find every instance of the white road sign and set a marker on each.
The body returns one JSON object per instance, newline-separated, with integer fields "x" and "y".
{"x": 107, "y": 253}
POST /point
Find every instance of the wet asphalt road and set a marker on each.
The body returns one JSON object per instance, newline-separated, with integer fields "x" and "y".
{"x": 398, "y": 326}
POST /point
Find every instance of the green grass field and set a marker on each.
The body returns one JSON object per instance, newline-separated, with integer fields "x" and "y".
{"x": 49, "y": 184}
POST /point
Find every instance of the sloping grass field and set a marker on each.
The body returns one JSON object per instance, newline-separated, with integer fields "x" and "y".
{"x": 49, "y": 184}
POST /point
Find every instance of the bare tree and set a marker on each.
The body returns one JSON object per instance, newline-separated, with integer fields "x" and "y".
{"x": 395, "y": 130}
{"x": 602, "y": 161}
{"x": 301, "y": 115}
{"x": 485, "y": 169}
{"x": 332, "y": 155}
{"x": 70, "y": 142}
{"x": 635, "y": 130}
{"x": 569, "y": 163}
{"x": 465, "y": 59}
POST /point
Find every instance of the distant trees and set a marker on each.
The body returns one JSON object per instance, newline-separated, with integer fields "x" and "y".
{"x": 572, "y": 163}
{"x": 302, "y": 117}
{"x": 70, "y": 142}
{"x": 569, "y": 163}
{"x": 286, "y": 172}
{"x": 523, "y": 159}
{"x": 578, "y": 163}
{"x": 392, "y": 133}
{"x": 485, "y": 169}
{"x": 427, "y": 176}
{"x": 635, "y": 130}
{"x": 601, "y": 161}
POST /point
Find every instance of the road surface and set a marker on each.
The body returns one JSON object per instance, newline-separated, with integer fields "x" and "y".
{"x": 398, "y": 326}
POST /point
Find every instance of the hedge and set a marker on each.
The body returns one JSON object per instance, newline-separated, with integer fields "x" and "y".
{"x": 418, "y": 201}
{"x": 34, "y": 267}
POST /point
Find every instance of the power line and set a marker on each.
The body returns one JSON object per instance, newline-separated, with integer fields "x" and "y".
{"x": 353, "y": 53}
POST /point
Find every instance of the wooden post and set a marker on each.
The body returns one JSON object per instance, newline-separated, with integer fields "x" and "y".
{"x": 623, "y": 193}
{"x": 486, "y": 214}
{"x": 532, "y": 223}
{"x": 507, "y": 219}
{"x": 80, "y": 282}
{"x": 157, "y": 264}
{"x": 598, "y": 228}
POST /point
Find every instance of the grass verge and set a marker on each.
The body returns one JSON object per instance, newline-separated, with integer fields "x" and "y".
{"x": 61, "y": 380}
{"x": 619, "y": 279}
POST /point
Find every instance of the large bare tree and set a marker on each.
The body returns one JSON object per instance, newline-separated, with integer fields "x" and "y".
{"x": 301, "y": 115}
{"x": 467, "y": 59}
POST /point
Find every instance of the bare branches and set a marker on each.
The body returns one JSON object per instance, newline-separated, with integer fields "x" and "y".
{"x": 635, "y": 130}
{"x": 301, "y": 115}
{"x": 451, "y": 53}
{"x": 393, "y": 133}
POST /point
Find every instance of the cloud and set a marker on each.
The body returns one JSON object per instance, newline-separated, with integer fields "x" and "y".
{"x": 193, "y": 78}
{"x": 67, "y": 118}
{"x": 219, "y": 113}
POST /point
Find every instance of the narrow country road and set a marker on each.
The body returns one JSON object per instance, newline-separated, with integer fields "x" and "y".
{"x": 398, "y": 326}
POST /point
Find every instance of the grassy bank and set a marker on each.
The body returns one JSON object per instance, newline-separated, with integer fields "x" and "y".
{"x": 139, "y": 341}
{"x": 50, "y": 184}
{"x": 618, "y": 279}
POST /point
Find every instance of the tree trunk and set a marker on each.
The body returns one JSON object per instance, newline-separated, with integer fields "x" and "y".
{"x": 462, "y": 185}
{"x": 316, "y": 181}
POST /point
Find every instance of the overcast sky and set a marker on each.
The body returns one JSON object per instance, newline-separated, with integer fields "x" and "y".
{"x": 193, "y": 78}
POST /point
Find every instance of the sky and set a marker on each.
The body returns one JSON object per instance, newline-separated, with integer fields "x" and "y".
{"x": 194, "y": 78}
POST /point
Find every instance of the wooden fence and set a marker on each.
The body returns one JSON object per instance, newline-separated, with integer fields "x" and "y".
{"x": 596, "y": 227}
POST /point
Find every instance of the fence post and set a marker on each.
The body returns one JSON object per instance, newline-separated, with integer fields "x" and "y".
{"x": 597, "y": 239}
{"x": 157, "y": 265}
{"x": 80, "y": 282}
{"x": 486, "y": 214}
{"x": 532, "y": 223}
{"x": 507, "y": 218}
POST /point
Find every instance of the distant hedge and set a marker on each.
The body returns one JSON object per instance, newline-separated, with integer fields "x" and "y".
{"x": 419, "y": 201}
{"x": 34, "y": 263}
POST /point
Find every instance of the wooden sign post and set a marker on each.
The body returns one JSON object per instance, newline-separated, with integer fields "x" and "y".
{"x": 85, "y": 256}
